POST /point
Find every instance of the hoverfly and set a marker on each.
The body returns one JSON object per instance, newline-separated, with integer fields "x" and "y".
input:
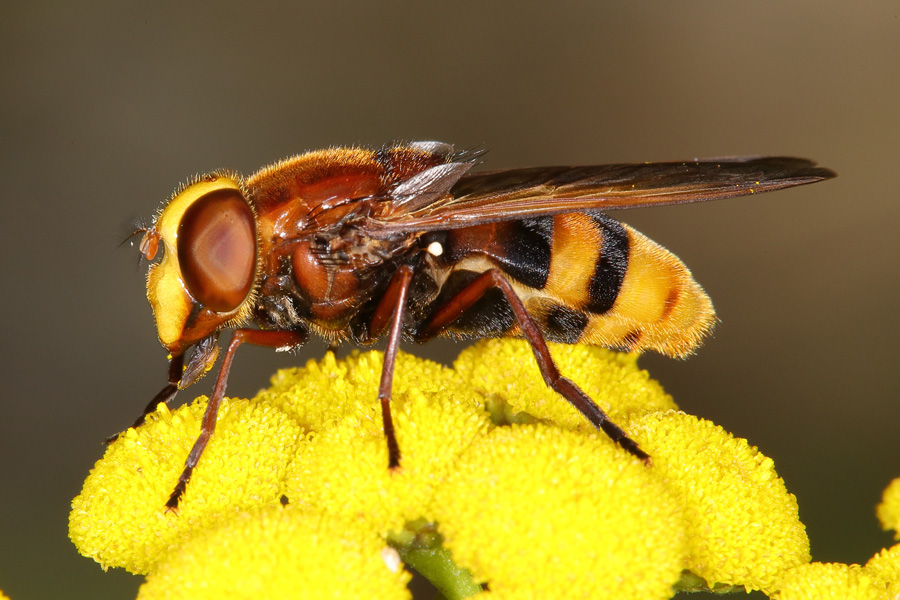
{"x": 355, "y": 244}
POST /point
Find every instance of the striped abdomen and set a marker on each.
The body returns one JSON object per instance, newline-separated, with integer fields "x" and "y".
{"x": 584, "y": 277}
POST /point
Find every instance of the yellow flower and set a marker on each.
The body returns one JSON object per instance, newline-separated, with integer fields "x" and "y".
{"x": 343, "y": 468}
{"x": 539, "y": 511}
{"x": 743, "y": 527}
{"x": 884, "y": 568}
{"x": 120, "y": 517}
{"x": 828, "y": 581}
{"x": 506, "y": 372}
{"x": 280, "y": 552}
{"x": 542, "y": 505}
{"x": 889, "y": 510}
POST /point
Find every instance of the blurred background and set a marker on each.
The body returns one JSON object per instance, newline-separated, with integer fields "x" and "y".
{"x": 106, "y": 106}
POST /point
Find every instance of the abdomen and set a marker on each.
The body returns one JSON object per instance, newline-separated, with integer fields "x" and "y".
{"x": 585, "y": 278}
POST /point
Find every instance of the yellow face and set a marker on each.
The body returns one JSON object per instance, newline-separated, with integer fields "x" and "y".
{"x": 206, "y": 276}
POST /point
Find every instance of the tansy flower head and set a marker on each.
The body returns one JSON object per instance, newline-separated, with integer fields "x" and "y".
{"x": 884, "y": 568}
{"x": 505, "y": 372}
{"x": 542, "y": 512}
{"x": 828, "y": 581}
{"x": 119, "y": 519}
{"x": 541, "y": 506}
{"x": 280, "y": 552}
{"x": 888, "y": 510}
{"x": 742, "y": 524}
{"x": 323, "y": 392}
{"x": 343, "y": 468}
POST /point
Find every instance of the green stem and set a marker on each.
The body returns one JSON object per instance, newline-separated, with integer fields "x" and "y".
{"x": 419, "y": 546}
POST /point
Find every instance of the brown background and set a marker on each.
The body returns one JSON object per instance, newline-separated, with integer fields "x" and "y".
{"x": 106, "y": 107}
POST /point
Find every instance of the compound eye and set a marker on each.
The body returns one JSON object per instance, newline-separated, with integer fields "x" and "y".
{"x": 217, "y": 249}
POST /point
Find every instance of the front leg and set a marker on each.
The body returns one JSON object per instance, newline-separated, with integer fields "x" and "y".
{"x": 165, "y": 395}
{"x": 494, "y": 278}
{"x": 202, "y": 359}
{"x": 272, "y": 339}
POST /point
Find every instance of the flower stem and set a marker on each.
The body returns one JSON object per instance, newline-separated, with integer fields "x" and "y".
{"x": 419, "y": 546}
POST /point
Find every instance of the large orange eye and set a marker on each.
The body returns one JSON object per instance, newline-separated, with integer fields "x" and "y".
{"x": 217, "y": 249}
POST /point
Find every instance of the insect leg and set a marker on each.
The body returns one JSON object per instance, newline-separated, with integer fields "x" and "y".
{"x": 494, "y": 278}
{"x": 167, "y": 393}
{"x": 272, "y": 339}
{"x": 393, "y": 301}
{"x": 202, "y": 359}
{"x": 176, "y": 364}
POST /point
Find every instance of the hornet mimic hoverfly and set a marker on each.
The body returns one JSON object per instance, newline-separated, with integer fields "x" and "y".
{"x": 355, "y": 244}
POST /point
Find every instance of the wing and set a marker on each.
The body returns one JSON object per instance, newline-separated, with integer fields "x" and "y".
{"x": 523, "y": 193}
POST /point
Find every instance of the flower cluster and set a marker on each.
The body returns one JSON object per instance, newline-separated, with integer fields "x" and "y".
{"x": 504, "y": 491}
